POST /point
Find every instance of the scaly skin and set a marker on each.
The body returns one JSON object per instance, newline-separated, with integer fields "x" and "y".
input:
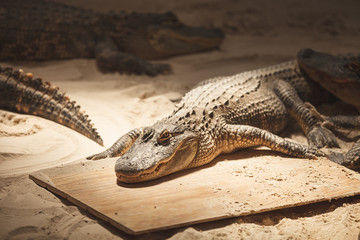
{"x": 224, "y": 114}
{"x": 21, "y": 93}
{"x": 45, "y": 30}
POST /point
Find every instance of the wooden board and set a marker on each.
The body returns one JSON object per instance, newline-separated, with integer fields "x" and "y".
{"x": 225, "y": 189}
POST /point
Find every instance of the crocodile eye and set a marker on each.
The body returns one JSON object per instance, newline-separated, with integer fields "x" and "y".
{"x": 164, "y": 137}
{"x": 354, "y": 67}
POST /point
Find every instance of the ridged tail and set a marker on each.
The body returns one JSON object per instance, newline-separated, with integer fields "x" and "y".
{"x": 21, "y": 93}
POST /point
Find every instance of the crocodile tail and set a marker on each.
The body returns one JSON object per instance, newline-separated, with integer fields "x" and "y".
{"x": 20, "y": 92}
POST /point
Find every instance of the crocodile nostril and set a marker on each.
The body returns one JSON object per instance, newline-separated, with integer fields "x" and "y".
{"x": 148, "y": 134}
{"x": 305, "y": 53}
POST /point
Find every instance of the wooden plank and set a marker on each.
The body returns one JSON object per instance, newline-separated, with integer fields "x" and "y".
{"x": 226, "y": 189}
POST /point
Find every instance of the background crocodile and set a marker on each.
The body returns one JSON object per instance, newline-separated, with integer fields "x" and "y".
{"x": 45, "y": 30}
{"x": 223, "y": 114}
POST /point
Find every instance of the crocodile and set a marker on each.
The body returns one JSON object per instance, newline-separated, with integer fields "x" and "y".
{"x": 224, "y": 114}
{"x": 340, "y": 75}
{"x": 22, "y": 93}
{"x": 120, "y": 42}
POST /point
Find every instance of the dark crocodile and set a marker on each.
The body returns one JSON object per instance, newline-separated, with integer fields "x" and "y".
{"x": 224, "y": 114}
{"x": 340, "y": 75}
{"x": 21, "y": 93}
{"x": 45, "y": 30}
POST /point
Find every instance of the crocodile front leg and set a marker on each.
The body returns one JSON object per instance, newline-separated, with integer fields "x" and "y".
{"x": 110, "y": 59}
{"x": 342, "y": 121}
{"x": 317, "y": 135}
{"x": 336, "y": 122}
{"x": 121, "y": 146}
{"x": 351, "y": 159}
{"x": 247, "y": 136}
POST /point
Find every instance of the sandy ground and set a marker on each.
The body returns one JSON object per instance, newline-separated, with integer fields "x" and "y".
{"x": 259, "y": 33}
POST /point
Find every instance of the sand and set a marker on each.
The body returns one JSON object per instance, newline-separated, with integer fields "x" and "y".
{"x": 259, "y": 33}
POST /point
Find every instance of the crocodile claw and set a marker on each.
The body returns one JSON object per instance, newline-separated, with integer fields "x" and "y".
{"x": 320, "y": 137}
{"x": 313, "y": 153}
{"x": 337, "y": 157}
{"x": 353, "y": 156}
{"x": 351, "y": 161}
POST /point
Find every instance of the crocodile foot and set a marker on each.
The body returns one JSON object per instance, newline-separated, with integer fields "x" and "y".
{"x": 349, "y": 160}
{"x": 319, "y": 137}
{"x": 115, "y": 61}
{"x": 353, "y": 161}
{"x": 314, "y": 153}
{"x": 153, "y": 69}
{"x": 98, "y": 156}
{"x": 353, "y": 156}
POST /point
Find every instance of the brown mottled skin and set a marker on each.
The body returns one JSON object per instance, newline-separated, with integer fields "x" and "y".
{"x": 20, "y": 92}
{"x": 46, "y": 30}
{"x": 224, "y": 114}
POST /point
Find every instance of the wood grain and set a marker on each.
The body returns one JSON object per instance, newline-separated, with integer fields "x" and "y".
{"x": 226, "y": 189}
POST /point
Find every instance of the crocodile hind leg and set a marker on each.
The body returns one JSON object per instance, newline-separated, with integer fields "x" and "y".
{"x": 110, "y": 59}
{"x": 317, "y": 135}
{"x": 121, "y": 146}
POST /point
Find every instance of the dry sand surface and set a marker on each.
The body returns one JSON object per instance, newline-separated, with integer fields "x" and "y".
{"x": 259, "y": 33}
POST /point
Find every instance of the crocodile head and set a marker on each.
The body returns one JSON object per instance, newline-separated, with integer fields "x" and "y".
{"x": 161, "y": 150}
{"x": 339, "y": 75}
{"x": 154, "y": 36}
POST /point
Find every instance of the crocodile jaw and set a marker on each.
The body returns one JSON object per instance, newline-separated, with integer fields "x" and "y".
{"x": 179, "y": 159}
{"x": 339, "y": 76}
